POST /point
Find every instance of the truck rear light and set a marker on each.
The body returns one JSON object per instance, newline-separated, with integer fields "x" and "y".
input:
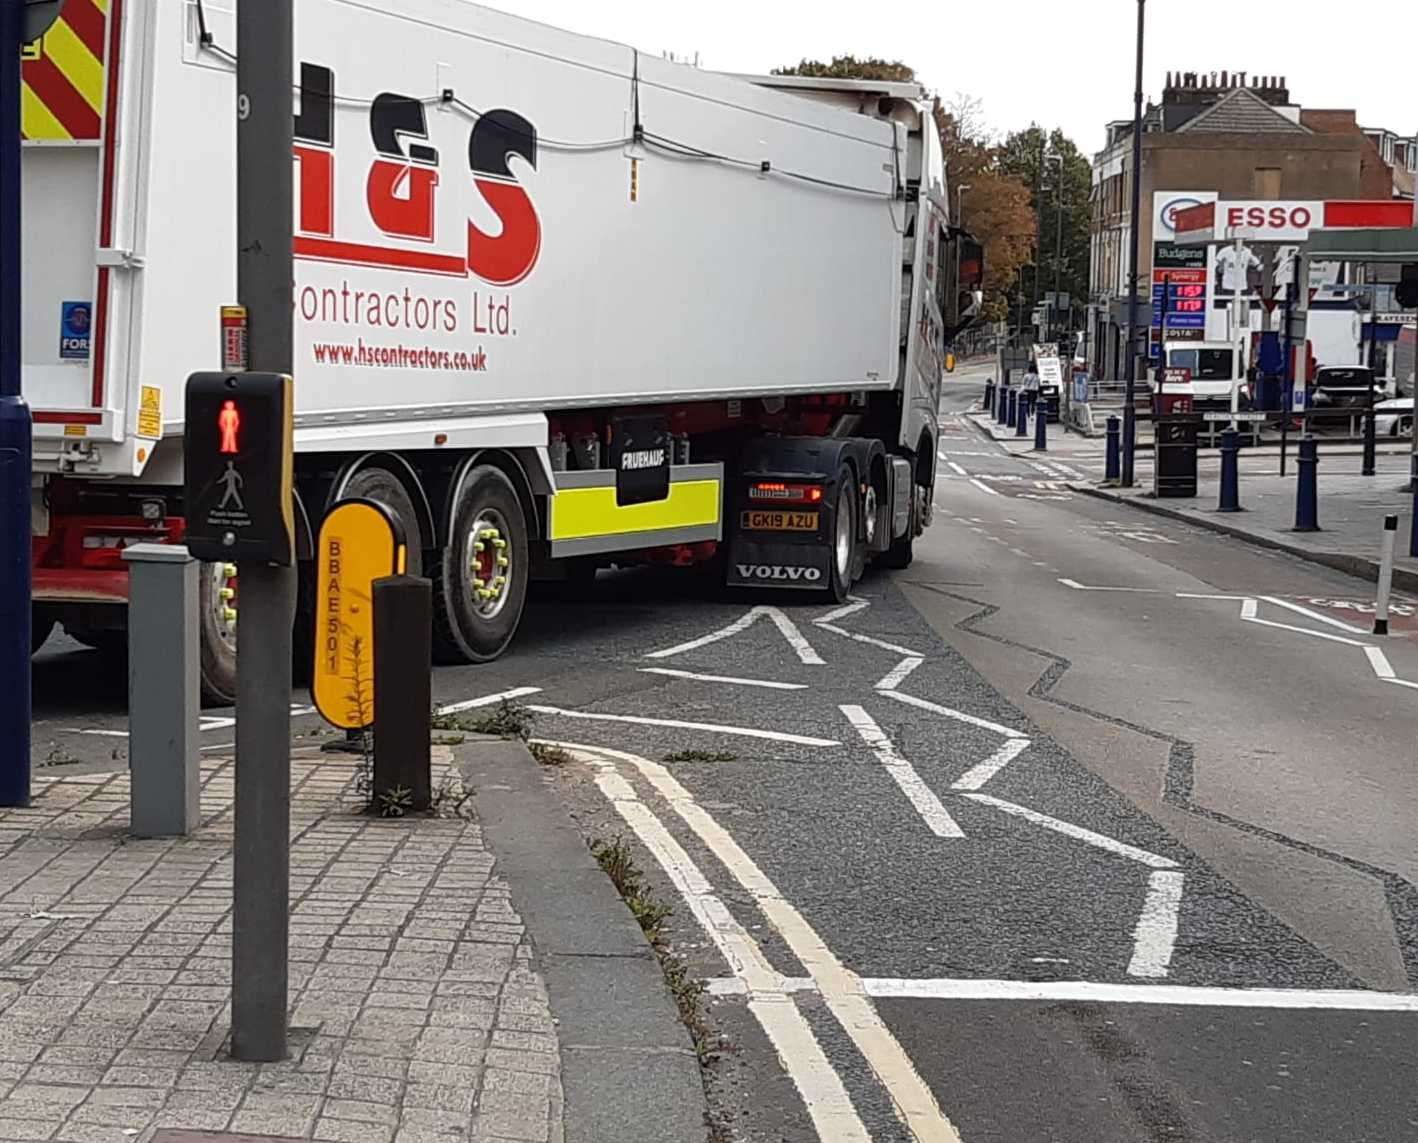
{"x": 780, "y": 493}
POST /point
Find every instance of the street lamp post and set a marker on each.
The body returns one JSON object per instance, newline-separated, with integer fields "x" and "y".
{"x": 1058, "y": 235}
{"x": 1134, "y": 236}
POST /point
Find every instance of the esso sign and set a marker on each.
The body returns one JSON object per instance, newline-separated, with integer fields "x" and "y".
{"x": 1274, "y": 220}
{"x": 1169, "y": 212}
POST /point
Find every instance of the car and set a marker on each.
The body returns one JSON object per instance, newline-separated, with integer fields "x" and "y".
{"x": 1345, "y": 388}
{"x": 1394, "y": 418}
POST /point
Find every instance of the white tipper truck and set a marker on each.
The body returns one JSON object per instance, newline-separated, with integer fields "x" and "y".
{"x": 558, "y": 303}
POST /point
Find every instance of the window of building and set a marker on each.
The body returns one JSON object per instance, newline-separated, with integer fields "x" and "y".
{"x": 1265, "y": 182}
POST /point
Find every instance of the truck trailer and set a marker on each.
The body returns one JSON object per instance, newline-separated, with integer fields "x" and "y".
{"x": 559, "y": 304}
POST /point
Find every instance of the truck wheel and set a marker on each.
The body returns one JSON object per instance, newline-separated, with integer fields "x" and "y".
{"x": 382, "y": 485}
{"x": 216, "y": 633}
{"x": 845, "y": 545}
{"x": 480, "y": 577}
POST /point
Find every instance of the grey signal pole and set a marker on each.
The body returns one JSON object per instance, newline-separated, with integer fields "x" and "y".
{"x": 266, "y": 595}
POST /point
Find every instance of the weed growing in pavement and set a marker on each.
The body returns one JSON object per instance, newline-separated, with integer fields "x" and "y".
{"x": 549, "y": 753}
{"x": 451, "y": 799}
{"x": 508, "y": 720}
{"x": 615, "y": 859}
{"x": 448, "y": 739}
{"x": 361, "y": 712}
{"x": 395, "y": 803}
{"x": 701, "y": 756}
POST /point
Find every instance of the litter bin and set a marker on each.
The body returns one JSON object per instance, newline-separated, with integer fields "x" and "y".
{"x": 1174, "y": 462}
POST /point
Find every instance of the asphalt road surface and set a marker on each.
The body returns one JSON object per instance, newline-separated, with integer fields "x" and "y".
{"x": 1088, "y": 827}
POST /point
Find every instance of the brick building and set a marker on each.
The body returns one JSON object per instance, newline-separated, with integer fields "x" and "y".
{"x": 1234, "y": 137}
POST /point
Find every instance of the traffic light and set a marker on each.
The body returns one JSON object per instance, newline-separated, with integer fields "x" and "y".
{"x": 1407, "y": 293}
{"x": 238, "y": 436}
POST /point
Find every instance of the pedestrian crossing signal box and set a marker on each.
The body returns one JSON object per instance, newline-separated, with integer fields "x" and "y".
{"x": 239, "y": 454}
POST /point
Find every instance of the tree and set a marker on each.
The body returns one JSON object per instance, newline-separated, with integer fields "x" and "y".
{"x": 849, "y": 67}
{"x": 1020, "y": 156}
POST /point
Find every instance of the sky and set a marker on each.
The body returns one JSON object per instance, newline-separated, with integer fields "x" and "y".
{"x": 996, "y": 49}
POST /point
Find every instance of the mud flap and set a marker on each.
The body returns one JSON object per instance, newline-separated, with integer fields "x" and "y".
{"x": 759, "y": 563}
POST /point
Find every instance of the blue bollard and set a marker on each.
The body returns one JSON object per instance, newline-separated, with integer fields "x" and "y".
{"x": 1021, "y": 420}
{"x": 1307, "y": 500}
{"x": 1041, "y": 427}
{"x": 1413, "y": 531}
{"x": 990, "y": 395}
{"x": 1113, "y": 455}
{"x": 1010, "y": 404}
{"x": 1001, "y": 399}
{"x": 1230, "y": 472}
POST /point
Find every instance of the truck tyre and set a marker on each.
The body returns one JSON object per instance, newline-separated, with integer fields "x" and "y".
{"x": 382, "y": 485}
{"x": 40, "y": 627}
{"x": 480, "y": 577}
{"x": 216, "y": 633}
{"x": 846, "y": 556}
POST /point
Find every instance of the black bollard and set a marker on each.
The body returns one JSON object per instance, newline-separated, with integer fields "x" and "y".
{"x": 1010, "y": 405}
{"x": 990, "y": 395}
{"x": 403, "y": 638}
{"x": 1230, "y": 472}
{"x": 1307, "y": 507}
{"x": 1041, "y": 426}
{"x": 1113, "y": 454}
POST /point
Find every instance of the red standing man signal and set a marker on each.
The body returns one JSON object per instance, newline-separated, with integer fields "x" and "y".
{"x": 229, "y": 421}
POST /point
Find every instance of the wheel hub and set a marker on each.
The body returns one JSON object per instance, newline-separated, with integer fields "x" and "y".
{"x": 869, "y": 514}
{"x": 223, "y": 602}
{"x": 489, "y": 564}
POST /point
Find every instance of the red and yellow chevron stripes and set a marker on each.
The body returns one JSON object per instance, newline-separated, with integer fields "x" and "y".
{"x": 62, "y": 94}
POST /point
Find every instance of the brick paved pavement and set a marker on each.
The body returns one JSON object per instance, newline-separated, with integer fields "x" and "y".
{"x": 417, "y": 1016}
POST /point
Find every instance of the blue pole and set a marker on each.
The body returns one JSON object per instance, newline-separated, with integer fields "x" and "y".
{"x": 1230, "y": 472}
{"x": 1021, "y": 419}
{"x": 1006, "y": 408}
{"x": 1413, "y": 529}
{"x": 1307, "y": 506}
{"x": 15, "y": 440}
{"x": 1113, "y": 456}
{"x": 1041, "y": 425}
{"x": 990, "y": 395}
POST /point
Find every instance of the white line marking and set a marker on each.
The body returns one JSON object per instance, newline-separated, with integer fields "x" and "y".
{"x": 845, "y": 610}
{"x": 935, "y": 815}
{"x": 794, "y": 637}
{"x": 975, "y": 777}
{"x": 1379, "y": 661}
{"x": 1403, "y": 683}
{"x": 1249, "y": 608}
{"x": 957, "y": 469}
{"x": 959, "y": 716}
{"x": 1354, "y": 1000}
{"x": 788, "y": 628}
{"x": 715, "y": 728}
{"x": 941, "y": 455}
{"x": 1020, "y": 552}
{"x": 724, "y": 679}
{"x": 983, "y": 487}
{"x": 1316, "y": 615}
{"x": 1156, "y": 934}
{"x": 488, "y": 700}
{"x": 885, "y": 646}
{"x": 821, "y": 1088}
{"x": 841, "y": 989}
{"x": 1078, "y": 833}
{"x": 897, "y": 675}
{"x": 1198, "y": 595}
{"x": 1073, "y": 583}
{"x": 95, "y": 732}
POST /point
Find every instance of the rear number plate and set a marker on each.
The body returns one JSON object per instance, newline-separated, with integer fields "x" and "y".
{"x": 779, "y": 521}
